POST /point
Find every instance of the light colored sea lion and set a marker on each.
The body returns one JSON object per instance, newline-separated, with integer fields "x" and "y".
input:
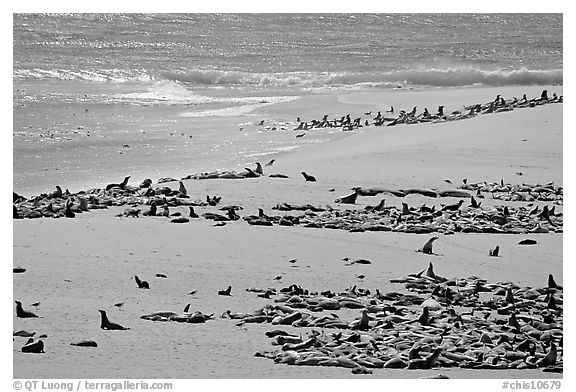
{"x": 21, "y": 313}
{"x": 108, "y": 325}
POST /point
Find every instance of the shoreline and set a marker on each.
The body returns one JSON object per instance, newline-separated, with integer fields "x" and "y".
{"x": 157, "y": 146}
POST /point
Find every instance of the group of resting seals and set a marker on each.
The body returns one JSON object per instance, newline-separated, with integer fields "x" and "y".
{"x": 467, "y": 323}
{"x": 448, "y": 218}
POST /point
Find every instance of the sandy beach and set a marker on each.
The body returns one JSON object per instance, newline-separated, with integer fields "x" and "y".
{"x": 74, "y": 267}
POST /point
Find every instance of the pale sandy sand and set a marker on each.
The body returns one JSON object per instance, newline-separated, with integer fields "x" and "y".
{"x": 77, "y": 266}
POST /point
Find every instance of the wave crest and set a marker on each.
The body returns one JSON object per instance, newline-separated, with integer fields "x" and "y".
{"x": 448, "y": 77}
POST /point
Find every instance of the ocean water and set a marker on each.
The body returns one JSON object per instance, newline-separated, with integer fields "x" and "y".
{"x": 100, "y": 95}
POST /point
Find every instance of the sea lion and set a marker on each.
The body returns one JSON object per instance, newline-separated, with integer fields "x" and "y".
{"x": 271, "y": 162}
{"x": 427, "y": 248}
{"x": 85, "y": 343}
{"x": 453, "y": 207}
{"x": 108, "y": 325}
{"x": 349, "y": 199}
{"x": 494, "y": 252}
{"x": 225, "y": 292}
{"x": 56, "y": 194}
{"x": 122, "y": 185}
{"x": 142, "y": 284}
{"x": 24, "y": 334}
{"x": 259, "y": 169}
{"x": 32, "y": 346}
{"x": 527, "y": 241}
{"x": 18, "y": 270}
{"x": 68, "y": 212}
{"x": 152, "y": 211}
{"x": 193, "y": 214}
{"x": 182, "y": 189}
{"x": 180, "y": 219}
{"x": 21, "y": 313}
{"x": 146, "y": 183}
{"x": 308, "y": 177}
{"x": 552, "y": 283}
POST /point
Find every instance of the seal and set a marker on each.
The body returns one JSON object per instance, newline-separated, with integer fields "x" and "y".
{"x": 349, "y": 199}
{"x": 494, "y": 252}
{"x": 193, "y": 214}
{"x": 32, "y": 346}
{"x": 225, "y": 292}
{"x": 122, "y": 185}
{"x": 552, "y": 283}
{"x": 259, "y": 169}
{"x": 427, "y": 248}
{"x": 152, "y": 211}
{"x": 107, "y": 324}
{"x": 85, "y": 343}
{"x": 308, "y": 177}
{"x": 142, "y": 284}
{"x": 21, "y": 313}
{"x": 182, "y": 189}
{"x": 56, "y": 194}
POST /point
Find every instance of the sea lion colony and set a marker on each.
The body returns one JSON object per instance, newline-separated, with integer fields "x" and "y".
{"x": 467, "y": 217}
{"x": 437, "y": 324}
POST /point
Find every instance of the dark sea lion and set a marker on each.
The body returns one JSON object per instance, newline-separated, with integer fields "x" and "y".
{"x": 494, "y": 252}
{"x": 552, "y": 283}
{"x": 259, "y": 169}
{"x": 108, "y": 325}
{"x": 182, "y": 189}
{"x": 146, "y": 183}
{"x": 18, "y": 270}
{"x": 349, "y": 199}
{"x": 24, "y": 334}
{"x": 68, "y": 212}
{"x": 527, "y": 241}
{"x": 36, "y": 347}
{"x": 225, "y": 292}
{"x": 56, "y": 194}
{"x": 180, "y": 219}
{"x": 308, "y": 177}
{"x": 122, "y": 185}
{"x": 427, "y": 248}
{"x": 453, "y": 207}
{"x": 15, "y": 213}
{"x": 21, "y": 313}
{"x": 85, "y": 343}
{"x": 142, "y": 284}
{"x": 271, "y": 162}
{"x": 193, "y": 214}
{"x": 152, "y": 211}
